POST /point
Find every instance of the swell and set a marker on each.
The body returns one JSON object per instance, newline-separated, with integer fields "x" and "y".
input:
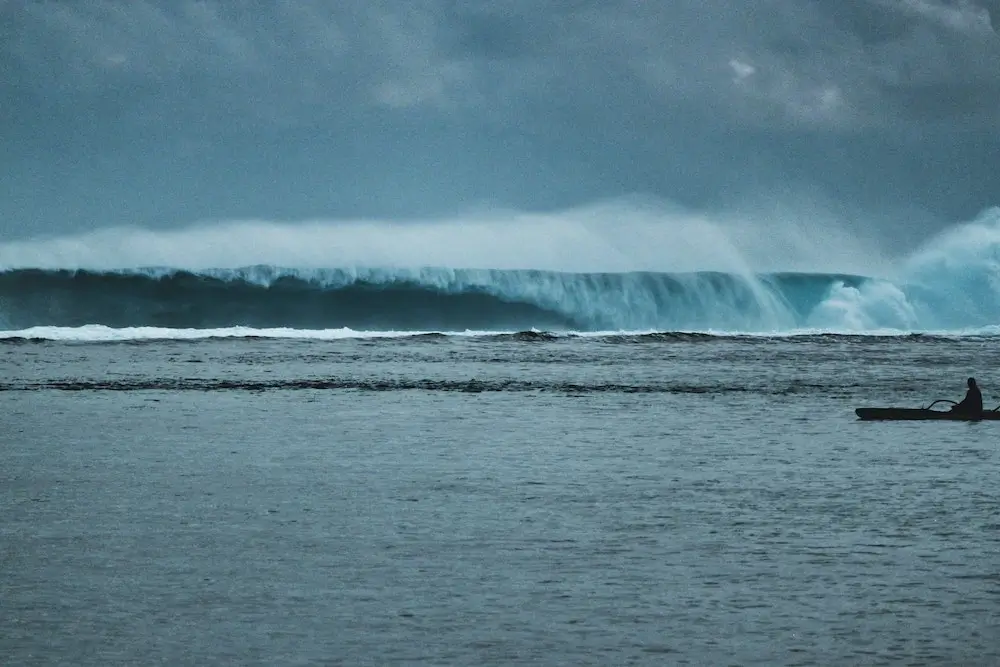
{"x": 382, "y": 385}
{"x": 412, "y": 300}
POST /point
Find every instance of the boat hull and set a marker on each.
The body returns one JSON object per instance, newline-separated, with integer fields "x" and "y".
{"x": 912, "y": 414}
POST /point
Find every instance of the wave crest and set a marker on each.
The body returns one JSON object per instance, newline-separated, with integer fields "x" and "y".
{"x": 951, "y": 284}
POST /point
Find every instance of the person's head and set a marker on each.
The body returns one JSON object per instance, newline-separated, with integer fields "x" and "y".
{"x": 972, "y": 382}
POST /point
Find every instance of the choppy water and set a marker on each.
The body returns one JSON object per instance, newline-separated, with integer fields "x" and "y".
{"x": 644, "y": 500}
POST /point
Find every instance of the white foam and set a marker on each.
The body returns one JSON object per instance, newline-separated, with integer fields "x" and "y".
{"x": 871, "y": 306}
{"x": 95, "y": 333}
{"x": 951, "y": 283}
{"x": 98, "y": 333}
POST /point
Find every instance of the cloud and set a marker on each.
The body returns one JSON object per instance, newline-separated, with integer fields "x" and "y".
{"x": 963, "y": 16}
{"x": 306, "y": 60}
{"x": 741, "y": 69}
{"x": 281, "y": 64}
{"x": 174, "y": 110}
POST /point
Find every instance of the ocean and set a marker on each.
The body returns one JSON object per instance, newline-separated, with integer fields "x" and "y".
{"x": 277, "y": 465}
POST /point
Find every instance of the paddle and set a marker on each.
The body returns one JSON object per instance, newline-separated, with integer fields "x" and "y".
{"x": 940, "y": 400}
{"x": 945, "y": 400}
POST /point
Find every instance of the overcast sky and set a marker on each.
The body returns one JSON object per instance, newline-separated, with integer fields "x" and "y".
{"x": 161, "y": 113}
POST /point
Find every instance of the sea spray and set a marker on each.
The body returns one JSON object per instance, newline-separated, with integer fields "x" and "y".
{"x": 617, "y": 236}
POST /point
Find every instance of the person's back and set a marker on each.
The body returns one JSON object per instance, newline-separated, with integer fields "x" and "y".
{"x": 972, "y": 404}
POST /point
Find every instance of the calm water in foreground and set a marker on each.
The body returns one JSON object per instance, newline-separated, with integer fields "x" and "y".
{"x": 656, "y": 500}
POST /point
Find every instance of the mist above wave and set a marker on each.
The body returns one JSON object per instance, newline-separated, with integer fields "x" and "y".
{"x": 630, "y": 234}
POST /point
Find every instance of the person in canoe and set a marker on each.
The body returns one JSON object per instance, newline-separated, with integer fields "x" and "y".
{"x": 972, "y": 404}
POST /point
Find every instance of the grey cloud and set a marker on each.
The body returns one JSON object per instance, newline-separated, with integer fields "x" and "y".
{"x": 822, "y": 63}
{"x": 291, "y": 62}
{"x": 961, "y": 16}
{"x": 308, "y": 107}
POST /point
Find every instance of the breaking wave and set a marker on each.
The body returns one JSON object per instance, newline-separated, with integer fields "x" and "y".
{"x": 952, "y": 284}
{"x": 264, "y": 297}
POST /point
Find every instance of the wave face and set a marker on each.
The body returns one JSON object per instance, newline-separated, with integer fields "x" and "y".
{"x": 952, "y": 284}
{"x": 264, "y": 297}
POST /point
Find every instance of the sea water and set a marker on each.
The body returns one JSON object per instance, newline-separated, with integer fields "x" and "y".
{"x": 509, "y": 499}
{"x": 623, "y": 444}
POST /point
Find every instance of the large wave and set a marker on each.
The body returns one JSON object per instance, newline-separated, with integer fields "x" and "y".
{"x": 952, "y": 283}
{"x": 411, "y": 300}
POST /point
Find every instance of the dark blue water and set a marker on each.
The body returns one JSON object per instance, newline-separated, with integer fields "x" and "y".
{"x": 506, "y": 500}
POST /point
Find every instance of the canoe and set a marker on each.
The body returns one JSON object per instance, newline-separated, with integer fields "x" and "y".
{"x": 896, "y": 414}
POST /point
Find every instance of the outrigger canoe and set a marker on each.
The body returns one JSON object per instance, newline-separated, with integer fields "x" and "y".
{"x": 908, "y": 414}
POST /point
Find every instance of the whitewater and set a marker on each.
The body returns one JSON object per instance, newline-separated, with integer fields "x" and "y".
{"x": 598, "y": 269}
